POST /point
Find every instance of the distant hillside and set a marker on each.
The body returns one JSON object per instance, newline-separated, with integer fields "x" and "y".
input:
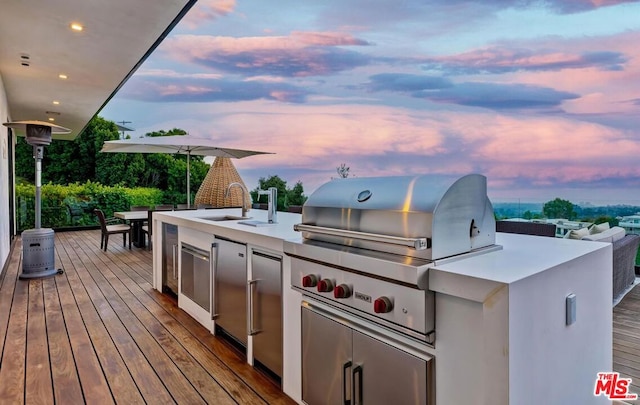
{"x": 517, "y": 210}
{"x": 607, "y": 211}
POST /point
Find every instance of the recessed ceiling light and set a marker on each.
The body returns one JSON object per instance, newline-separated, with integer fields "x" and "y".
{"x": 56, "y": 102}
{"x": 62, "y": 76}
{"x": 76, "y": 27}
{"x": 51, "y": 119}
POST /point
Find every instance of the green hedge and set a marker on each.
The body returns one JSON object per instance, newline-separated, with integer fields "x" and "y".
{"x": 73, "y": 204}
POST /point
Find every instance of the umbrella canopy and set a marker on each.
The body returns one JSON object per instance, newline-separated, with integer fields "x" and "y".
{"x": 177, "y": 144}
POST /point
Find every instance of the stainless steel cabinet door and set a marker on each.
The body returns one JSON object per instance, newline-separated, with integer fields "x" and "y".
{"x": 231, "y": 288}
{"x": 385, "y": 375}
{"x": 265, "y": 313}
{"x": 196, "y": 273}
{"x": 326, "y": 355}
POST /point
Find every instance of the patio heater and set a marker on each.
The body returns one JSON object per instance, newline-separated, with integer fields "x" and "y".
{"x": 38, "y": 252}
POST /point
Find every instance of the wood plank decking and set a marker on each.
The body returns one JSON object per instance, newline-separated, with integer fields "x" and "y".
{"x": 626, "y": 338}
{"x": 99, "y": 333}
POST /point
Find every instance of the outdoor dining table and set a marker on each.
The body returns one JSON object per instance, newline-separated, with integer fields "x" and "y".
{"x": 136, "y": 218}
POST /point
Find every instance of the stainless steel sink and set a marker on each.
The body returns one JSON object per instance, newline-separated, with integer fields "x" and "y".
{"x": 255, "y": 223}
{"x": 224, "y": 218}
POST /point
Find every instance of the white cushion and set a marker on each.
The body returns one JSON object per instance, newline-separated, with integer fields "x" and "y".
{"x": 610, "y": 235}
{"x": 598, "y": 228}
{"x": 578, "y": 233}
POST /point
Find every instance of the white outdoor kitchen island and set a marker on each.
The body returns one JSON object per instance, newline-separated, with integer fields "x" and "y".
{"x": 504, "y": 331}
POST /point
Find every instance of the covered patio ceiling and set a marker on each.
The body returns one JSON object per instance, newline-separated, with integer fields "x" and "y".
{"x": 38, "y": 45}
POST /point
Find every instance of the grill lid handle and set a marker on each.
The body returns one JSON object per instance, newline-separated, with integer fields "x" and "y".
{"x": 415, "y": 243}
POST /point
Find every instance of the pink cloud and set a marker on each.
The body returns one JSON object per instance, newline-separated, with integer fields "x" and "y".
{"x": 378, "y": 140}
{"x": 207, "y": 10}
{"x": 504, "y": 59}
{"x": 562, "y": 66}
{"x": 299, "y": 54}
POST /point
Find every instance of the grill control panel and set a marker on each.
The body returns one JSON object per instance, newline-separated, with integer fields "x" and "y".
{"x": 386, "y": 301}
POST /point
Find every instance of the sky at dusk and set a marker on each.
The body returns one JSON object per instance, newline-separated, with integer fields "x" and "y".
{"x": 542, "y": 97}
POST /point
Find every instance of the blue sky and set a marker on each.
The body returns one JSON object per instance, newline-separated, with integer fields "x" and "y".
{"x": 542, "y": 97}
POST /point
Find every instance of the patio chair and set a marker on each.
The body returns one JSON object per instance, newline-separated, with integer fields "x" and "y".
{"x": 148, "y": 228}
{"x": 109, "y": 227}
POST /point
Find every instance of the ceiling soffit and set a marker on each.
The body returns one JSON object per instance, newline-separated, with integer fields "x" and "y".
{"x": 117, "y": 37}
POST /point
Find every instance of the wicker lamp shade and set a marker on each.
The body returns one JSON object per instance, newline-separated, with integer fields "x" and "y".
{"x": 213, "y": 188}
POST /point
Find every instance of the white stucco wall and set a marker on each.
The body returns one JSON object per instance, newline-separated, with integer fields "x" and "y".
{"x": 5, "y": 237}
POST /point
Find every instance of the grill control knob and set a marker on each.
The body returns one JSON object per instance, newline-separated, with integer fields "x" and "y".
{"x": 325, "y": 285}
{"x": 309, "y": 281}
{"x": 342, "y": 291}
{"x": 382, "y": 305}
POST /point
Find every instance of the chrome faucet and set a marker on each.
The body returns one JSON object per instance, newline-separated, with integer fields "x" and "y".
{"x": 244, "y": 196}
{"x": 272, "y": 209}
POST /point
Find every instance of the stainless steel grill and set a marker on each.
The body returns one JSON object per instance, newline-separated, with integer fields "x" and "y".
{"x": 377, "y": 237}
{"x": 394, "y": 227}
{"x": 363, "y": 261}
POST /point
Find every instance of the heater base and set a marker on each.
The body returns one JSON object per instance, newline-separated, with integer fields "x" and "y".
{"x": 38, "y": 253}
{"x": 38, "y": 274}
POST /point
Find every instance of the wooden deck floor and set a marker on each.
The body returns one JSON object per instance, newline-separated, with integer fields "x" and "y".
{"x": 626, "y": 338}
{"x": 99, "y": 333}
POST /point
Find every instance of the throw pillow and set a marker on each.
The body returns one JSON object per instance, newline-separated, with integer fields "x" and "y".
{"x": 578, "y": 233}
{"x": 598, "y": 228}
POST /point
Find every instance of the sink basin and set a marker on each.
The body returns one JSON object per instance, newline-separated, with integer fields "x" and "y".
{"x": 225, "y": 218}
{"x": 255, "y": 223}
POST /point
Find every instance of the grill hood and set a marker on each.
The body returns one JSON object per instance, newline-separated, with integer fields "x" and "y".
{"x": 429, "y": 217}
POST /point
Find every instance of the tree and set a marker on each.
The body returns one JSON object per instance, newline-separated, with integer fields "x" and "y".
{"x": 286, "y": 196}
{"x": 80, "y": 160}
{"x": 295, "y": 196}
{"x": 559, "y": 208}
{"x": 343, "y": 171}
{"x": 271, "y": 181}
{"x": 70, "y": 161}
{"x": 162, "y": 132}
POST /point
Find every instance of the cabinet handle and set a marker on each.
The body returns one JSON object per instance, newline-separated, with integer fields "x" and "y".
{"x": 250, "y": 290}
{"x": 174, "y": 249}
{"x": 357, "y": 400}
{"x": 345, "y": 367}
{"x": 213, "y": 265}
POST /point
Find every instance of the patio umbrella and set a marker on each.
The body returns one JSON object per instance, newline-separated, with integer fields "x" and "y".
{"x": 177, "y": 144}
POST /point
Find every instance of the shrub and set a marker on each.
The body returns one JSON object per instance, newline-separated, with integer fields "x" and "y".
{"x": 73, "y": 204}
